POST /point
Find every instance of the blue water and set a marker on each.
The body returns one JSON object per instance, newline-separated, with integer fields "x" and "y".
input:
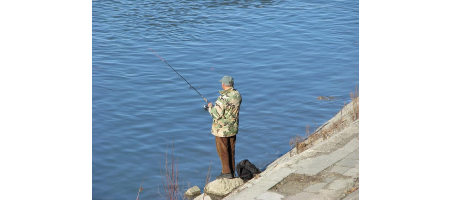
{"x": 282, "y": 55}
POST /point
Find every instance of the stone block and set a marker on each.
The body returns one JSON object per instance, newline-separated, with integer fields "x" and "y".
{"x": 193, "y": 191}
{"x": 203, "y": 197}
{"x": 224, "y": 186}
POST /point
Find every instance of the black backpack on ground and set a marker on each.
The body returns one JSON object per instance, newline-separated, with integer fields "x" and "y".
{"x": 246, "y": 170}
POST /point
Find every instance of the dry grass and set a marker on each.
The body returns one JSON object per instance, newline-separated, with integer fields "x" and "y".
{"x": 307, "y": 132}
{"x": 336, "y": 126}
{"x": 296, "y": 142}
{"x": 170, "y": 179}
{"x": 184, "y": 195}
{"x": 351, "y": 190}
{"x": 355, "y": 186}
{"x": 299, "y": 142}
{"x": 208, "y": 176}
{"x": 355, "y": 104}
{"x": 303, "y": 143}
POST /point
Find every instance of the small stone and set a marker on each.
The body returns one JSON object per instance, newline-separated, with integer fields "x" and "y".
{"x": 193, "y": 191}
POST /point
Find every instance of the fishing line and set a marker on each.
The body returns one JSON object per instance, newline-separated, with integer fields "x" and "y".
{"x": 179, "y": 75}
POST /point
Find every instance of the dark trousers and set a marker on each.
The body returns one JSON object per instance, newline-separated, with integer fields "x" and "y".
{"x": 225, "y": 149}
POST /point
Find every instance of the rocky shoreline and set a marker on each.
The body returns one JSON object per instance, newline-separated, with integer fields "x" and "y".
{"x": 324, "y": 166}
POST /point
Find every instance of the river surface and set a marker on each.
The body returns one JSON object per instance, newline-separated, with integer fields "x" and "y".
{"x": 282, "y": 54}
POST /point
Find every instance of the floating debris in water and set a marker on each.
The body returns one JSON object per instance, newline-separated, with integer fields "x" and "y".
{"x": 325, "y": 97}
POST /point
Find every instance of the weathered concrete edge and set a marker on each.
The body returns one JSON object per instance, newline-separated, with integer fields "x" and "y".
{"x": 282, "y": 164}
{"x": 287, "y": 168}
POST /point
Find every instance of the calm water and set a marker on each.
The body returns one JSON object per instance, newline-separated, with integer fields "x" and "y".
{"x": 282, "y": 55}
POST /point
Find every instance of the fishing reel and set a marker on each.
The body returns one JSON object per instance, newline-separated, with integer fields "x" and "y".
{"x": 205, "y": 107}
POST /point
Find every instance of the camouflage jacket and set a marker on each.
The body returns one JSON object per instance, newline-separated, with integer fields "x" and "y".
{"x": 225, "y": 113}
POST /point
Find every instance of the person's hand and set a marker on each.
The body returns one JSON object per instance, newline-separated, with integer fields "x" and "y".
{"x": 210, "y": 105}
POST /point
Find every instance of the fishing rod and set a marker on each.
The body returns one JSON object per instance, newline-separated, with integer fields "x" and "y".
{"x": 205, "y": 106}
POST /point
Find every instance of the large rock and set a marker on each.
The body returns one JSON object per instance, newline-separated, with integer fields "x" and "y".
{"x": 193, "y": 191}
{"x": 203, "y": 197}
{"x": 222, "y": 187}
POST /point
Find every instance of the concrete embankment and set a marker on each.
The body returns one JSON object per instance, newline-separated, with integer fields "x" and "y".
{"x": 325, "y": 166}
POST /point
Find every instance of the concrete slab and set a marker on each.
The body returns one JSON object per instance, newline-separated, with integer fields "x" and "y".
{"x": 267, "y": 184}
{"x": 254, "y": 191}
{"x": 349, "y": 148}
{"x": 246, "y": 194}
{"x": 354, "y": 155}
{"x": 270, "y": 196}
{"x": 329, "y": 179}
{"x": 353, "y": 172}
{"x": 339, "y": 184}
{"x": 316, "y": 187}
{"x": 340, "y": 151}
{"x": 347, "y": 162}
{"x": 327, "y": 193}
{"x": 308, "y": 195}
{"x": 339, "y": 169}
{"x": 312, "y": 166}
{"x": 278, "y": 175}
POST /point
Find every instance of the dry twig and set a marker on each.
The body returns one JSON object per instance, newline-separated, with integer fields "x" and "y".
{"x": 140, "y": 188}
{"x": 170, "y": 179}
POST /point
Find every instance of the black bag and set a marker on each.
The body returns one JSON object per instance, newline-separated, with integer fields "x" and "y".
{"x": 246, "y": 170}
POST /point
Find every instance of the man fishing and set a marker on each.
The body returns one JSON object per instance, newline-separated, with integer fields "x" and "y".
{"x": 225, "y": 125}
{"x": 225, "y": 114}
